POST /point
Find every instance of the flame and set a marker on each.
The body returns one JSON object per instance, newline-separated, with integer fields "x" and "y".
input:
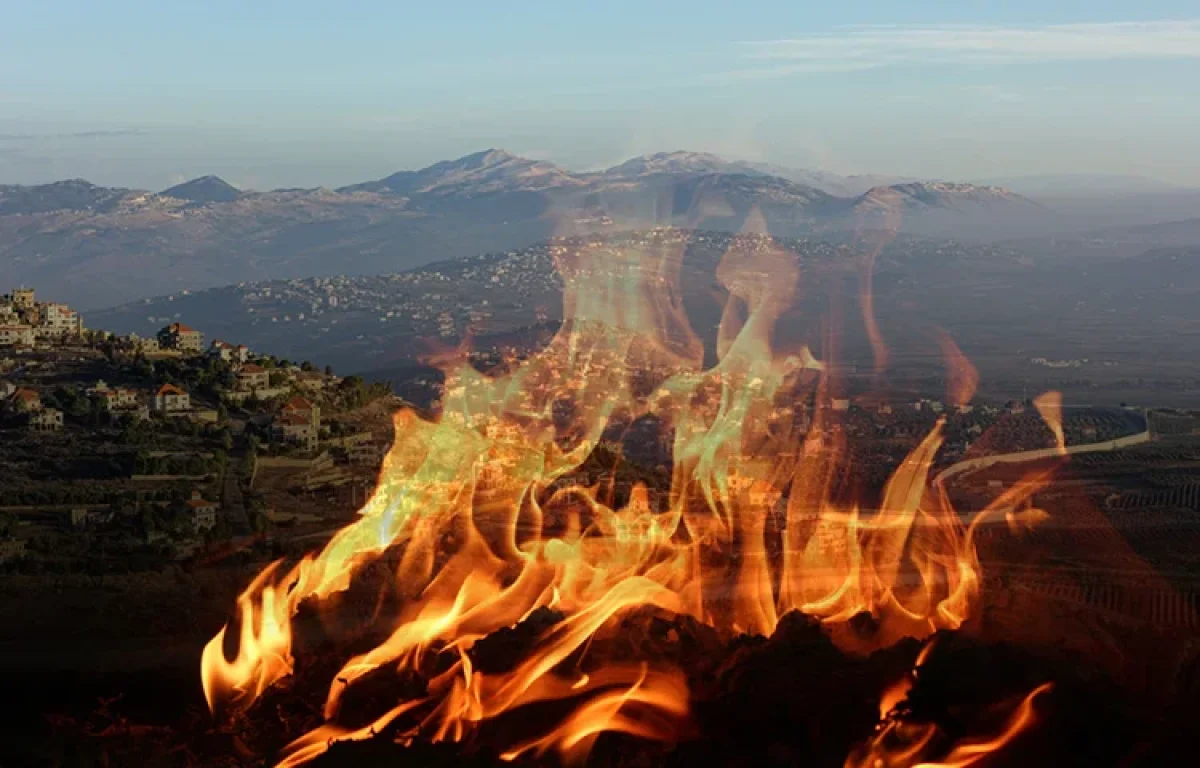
{"x": 1049, "y": 406}
{"x": 962, "y": 378}
{"x": 874, "y": 231}
{"x": 490, "y": 520}
{"x": 900, "y": 744}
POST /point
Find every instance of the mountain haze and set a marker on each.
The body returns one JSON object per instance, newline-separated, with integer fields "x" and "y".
{"x": 81, "y": 242}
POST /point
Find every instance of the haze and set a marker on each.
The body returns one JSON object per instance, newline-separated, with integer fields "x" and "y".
{"x": 305, "y": 94}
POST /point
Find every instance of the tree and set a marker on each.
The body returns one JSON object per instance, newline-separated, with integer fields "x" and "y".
{"x": 329, "y": 370}
{"x": 256, "y": 510}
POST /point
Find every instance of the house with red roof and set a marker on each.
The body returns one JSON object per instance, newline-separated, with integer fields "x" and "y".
{"x": 298, "y": 421}
{"x": 252, "y": 376}
{"x": 201, "y": 512}
{"x": 222, "y": 350}
{"x": 24, "y": 400}
{"x": 229, "y": 353}
{"x": 171, "y": 399}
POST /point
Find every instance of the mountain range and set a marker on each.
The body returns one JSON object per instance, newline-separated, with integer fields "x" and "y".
{"x": 98, "y": 246}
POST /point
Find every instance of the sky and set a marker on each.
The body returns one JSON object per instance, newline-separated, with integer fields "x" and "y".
{"x": 308, "y": 93}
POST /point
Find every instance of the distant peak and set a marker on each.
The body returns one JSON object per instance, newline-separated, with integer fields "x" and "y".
{"x": 486, "y": 158}
{"x": 683, "y": 154}
{"x": 677, "y": 161}
{"x": 205, "y": 189}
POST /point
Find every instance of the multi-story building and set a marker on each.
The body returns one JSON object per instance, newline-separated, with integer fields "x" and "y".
{"x": 312, "y": 382}
{"x": 57, "y": 320}
{"x": 299, "y": 421}
{"x": 201, "y": 511}
{"x": 17, "y": 336}
{"x": 146, "y": 346}
{"x": 253, "y": 377}
{"x": 46, "y": 420}
{"x": 115, "y": 398}
{"x": 182, "y": 338}
{"x": 23, "y": 299}
{"x": 292, "y": 428}
{"x": 306, "y": 409}
{"x": 221, "y": 350}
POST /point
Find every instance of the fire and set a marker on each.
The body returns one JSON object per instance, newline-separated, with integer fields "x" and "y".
{"x": 911, "y": 745}
{"x": 489, "y": 522}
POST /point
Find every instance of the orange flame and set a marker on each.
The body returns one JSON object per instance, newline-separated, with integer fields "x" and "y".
{"x": 900, "y": 744}
{"x": 491, "y": 519}
{"x": 962, "y": 378}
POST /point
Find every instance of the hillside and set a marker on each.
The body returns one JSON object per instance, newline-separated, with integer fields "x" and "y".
{"x": 364, "y": 322}
{"x": 1003, "y": 307}
{"x": 72, "y": 195}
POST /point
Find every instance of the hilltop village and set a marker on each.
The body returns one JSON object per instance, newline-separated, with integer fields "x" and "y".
{"x": 120, "y": 450}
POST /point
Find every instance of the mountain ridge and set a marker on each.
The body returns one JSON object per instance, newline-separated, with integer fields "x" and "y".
{"x": 83, "y": 239}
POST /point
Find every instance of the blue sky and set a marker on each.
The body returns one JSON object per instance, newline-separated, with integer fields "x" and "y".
{"x": 304, "y": 93}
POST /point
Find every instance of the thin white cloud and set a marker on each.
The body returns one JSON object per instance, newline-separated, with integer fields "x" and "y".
{"x": 877, "y": 46}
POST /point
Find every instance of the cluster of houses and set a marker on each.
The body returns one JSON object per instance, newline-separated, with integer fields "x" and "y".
{"x": 298, "y": 422}
{"x": 290, "y": 395}
{"x": 27, "y": 322}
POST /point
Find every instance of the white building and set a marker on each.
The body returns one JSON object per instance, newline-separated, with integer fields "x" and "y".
{"x": 181, "y": 337}
{"x": 58, "y": 320}
{"x": 17, "y": 336}
{"x": 144, "y": 345}
{"x": 201, "y": 512}
{"x": 46, "y": 420}
{"x": 114, "y": 398}
{"x": 171, "y": 399}
{"x": 227, "y": 352}
{"x": 253, "y": 377}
